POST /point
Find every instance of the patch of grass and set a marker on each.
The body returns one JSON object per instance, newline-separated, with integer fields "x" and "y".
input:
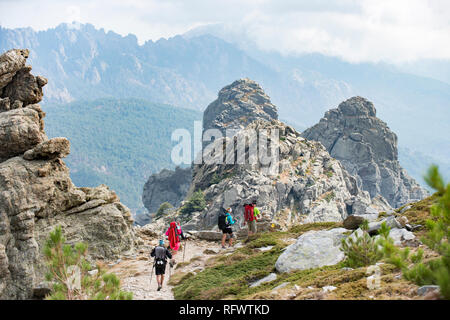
{"x": 228, "y": 279}
{"x": 265, "y": 239}
{"x": 302, "y": 228}
{"x": 420, "y": 211}
{"x": 179, "y": 277}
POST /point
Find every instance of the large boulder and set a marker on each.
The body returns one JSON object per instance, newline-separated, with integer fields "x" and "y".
{"x": 313, "y": 249}
{"x": 367, "y": 148}
{"x": 25, "y": 87}
{"x": 20, "y": 130}
{"x": 49, "y": 149}
{"x": 11, "y": 62}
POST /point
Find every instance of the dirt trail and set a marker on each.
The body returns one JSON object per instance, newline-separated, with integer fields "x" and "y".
{"x": 135, "y": 272}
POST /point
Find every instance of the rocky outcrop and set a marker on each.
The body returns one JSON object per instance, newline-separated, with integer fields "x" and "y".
{"x": 367, "y": 148}
{"x": 36, "y": 192}
{"x": 166, "y": 186}
{"x": 312, "y": 250}
{"x": 307, "y": 184}
{"x": 238, "y": 105}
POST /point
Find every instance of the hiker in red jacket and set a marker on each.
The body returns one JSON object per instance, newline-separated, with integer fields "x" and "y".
{"x": 174, "y": 233}
{"x": 249, "y": 217}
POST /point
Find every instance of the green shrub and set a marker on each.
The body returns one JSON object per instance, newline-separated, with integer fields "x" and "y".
{"x": 162, "y": 209}
{"x": 68, "y": 271}
{"x": 195, "y": 203}
{"x": 361, "y": 251}
{"x": 436, "y": 271}
{"x": 330, "y": 196}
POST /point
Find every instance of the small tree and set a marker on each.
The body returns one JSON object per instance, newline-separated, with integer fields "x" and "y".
{"x": 195, "y": 203}
{"x": 162, "y": 209}
{"x": 413, "y": 268}
{"x": 68, "y": 271}
{"x": 361, "y": 251}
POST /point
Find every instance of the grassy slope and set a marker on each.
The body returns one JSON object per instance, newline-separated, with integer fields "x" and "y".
{"x": 228, "y": 277}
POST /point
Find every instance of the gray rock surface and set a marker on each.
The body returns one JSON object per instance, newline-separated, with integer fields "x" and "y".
{"x": 166, "y": 186}
{"x": 270, "y": 277}
{"x": 313, "y": 249}
{"x": 37, "y": 194}
{"x": 310, "y": 185}
{"x": 367, "y": 148}
{"x": 237, "y": 105}
{"x": 423, "y": 290}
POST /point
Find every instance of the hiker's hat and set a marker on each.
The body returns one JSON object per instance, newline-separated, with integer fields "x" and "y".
{"x": 161, "y": 242}
{"x": 230, "y": 210}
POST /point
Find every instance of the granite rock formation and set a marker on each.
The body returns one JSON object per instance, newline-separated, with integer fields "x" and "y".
{"x": 305, "y": 184}
{"x": 36, "y": 192}
{"x": 367, "y": 148}
{"x": 238, "y": 105}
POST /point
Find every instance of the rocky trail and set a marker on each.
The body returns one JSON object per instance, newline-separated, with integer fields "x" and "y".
{"x": 135, "y": 272}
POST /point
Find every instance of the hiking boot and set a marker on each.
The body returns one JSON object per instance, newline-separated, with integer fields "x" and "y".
{"x": 223, "y": 247}
{"x": 159, "y": 288}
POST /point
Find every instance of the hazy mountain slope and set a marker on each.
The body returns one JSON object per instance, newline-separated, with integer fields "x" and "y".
{"x": 118, "y": 142}
{"x": 87, "y": 63}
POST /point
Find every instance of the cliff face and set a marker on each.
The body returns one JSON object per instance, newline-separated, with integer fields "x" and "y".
{"x": 166, "y": 186}
{"x": 367, "y": 148}
{"x": 36, "y": 192}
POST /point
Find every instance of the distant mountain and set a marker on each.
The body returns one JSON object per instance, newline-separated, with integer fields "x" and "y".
{"x": 117, "y": 142}
{"x": 82, "y": 62}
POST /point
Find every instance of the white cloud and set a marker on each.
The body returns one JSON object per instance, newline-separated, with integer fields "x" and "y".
{"x": 366, "y": 30}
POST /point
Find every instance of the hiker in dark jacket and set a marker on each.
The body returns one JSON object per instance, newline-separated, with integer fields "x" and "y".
{"x": 161, "y": 254}
{"x": 227, "y": 228}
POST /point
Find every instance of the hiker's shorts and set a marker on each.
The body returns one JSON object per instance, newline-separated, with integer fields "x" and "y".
{"x": 227, "y": 231}
{"x": 252, "y": 226}
{"x": 160, "y": 269}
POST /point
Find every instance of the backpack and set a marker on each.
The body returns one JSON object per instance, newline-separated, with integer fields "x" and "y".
{"x": 160, "y": 255}
{"x": 222, "y": 223}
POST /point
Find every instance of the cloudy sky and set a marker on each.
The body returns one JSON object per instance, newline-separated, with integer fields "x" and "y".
{"x": 356, "y": 30}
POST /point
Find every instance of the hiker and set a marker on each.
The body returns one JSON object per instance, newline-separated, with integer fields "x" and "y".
{"x": 224, "y": 224}
{"x": 174, "y": 235}
{"x": 249, "y": 217}
{"x": 256, "y": 212}
{"x": 161, "y": 254}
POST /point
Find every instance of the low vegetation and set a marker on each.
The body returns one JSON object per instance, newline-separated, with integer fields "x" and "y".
{"x": 68, "y": 270}
{"x": 195, "y": 203}
{"x": 402, "y": 269}
{"x": 412, "y": 265}
{"x": 361, "y": 249}
{"x": 162, "y": 209}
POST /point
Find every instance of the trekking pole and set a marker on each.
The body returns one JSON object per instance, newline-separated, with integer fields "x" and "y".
{"x": 184, "y": 249}
{"x": 151, "y": 275}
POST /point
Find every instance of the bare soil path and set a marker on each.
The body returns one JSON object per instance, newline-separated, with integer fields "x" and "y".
{"x": 135, "y": 272}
